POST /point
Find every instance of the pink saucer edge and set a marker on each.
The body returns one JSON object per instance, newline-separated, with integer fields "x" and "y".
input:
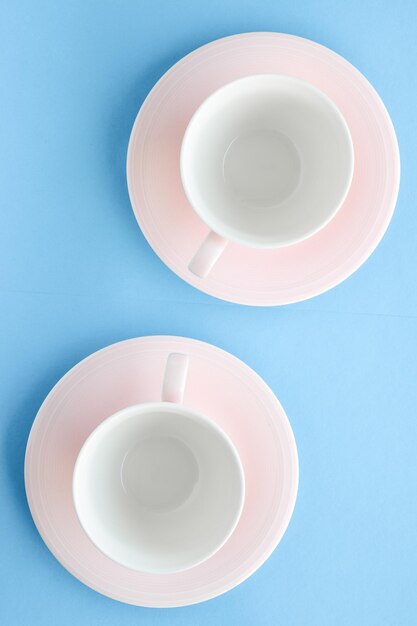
{"x": 261, "y": 558}
{"x": 372, "y": 239}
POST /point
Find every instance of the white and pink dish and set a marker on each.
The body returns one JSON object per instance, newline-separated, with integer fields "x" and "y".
{"x": 219, "y": 387}
{"x": 241, "y": 273}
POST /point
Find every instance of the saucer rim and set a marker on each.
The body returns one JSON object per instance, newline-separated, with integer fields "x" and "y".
{"x": 82, "y": 571}
{"x": 330, "y": 273}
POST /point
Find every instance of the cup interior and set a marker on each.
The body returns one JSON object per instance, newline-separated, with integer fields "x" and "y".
{"x": 158, "y": 488}
{"x": 267, "y": 160}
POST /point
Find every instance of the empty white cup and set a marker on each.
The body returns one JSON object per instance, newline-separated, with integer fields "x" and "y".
{"x": 159, "y": 487}
{"x": 266, "y": 161}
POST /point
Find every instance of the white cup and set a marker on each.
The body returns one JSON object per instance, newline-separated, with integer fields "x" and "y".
{"x": 266, "y": 161}
{"x": 158, "y": 487}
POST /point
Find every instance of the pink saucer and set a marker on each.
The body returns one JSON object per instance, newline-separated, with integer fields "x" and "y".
{"x": 250, "y": 275}
{"x": 218, "y": 385}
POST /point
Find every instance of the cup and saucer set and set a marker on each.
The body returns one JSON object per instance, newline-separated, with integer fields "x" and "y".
{"x": 263, "y": 169}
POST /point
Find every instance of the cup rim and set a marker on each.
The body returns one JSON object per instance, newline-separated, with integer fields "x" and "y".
{"x": 170, "y": 407}
{"x": 249, "y": 241}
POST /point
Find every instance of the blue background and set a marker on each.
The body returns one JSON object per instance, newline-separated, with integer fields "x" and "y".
{"x": 77, "y": 275}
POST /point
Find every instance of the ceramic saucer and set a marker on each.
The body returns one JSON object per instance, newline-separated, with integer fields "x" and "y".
{"x": 249, "y": 275}
{"x": 218, "y": 385}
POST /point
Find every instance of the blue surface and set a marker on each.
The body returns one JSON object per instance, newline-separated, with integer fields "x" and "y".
{"x": 77, "y": 275}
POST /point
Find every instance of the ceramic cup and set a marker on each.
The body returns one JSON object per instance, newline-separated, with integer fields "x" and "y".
{"x": 266, "y": 161}
{"x": 159, "y": 487}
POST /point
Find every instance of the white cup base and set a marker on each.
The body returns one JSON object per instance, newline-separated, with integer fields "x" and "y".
{"x": 262, "y": 168}
{"x": 160, "y": 474}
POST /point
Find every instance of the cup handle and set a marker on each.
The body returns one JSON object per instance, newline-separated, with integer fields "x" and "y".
{"x": 175, "y": 377}
{"x": 207, "y": 255}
